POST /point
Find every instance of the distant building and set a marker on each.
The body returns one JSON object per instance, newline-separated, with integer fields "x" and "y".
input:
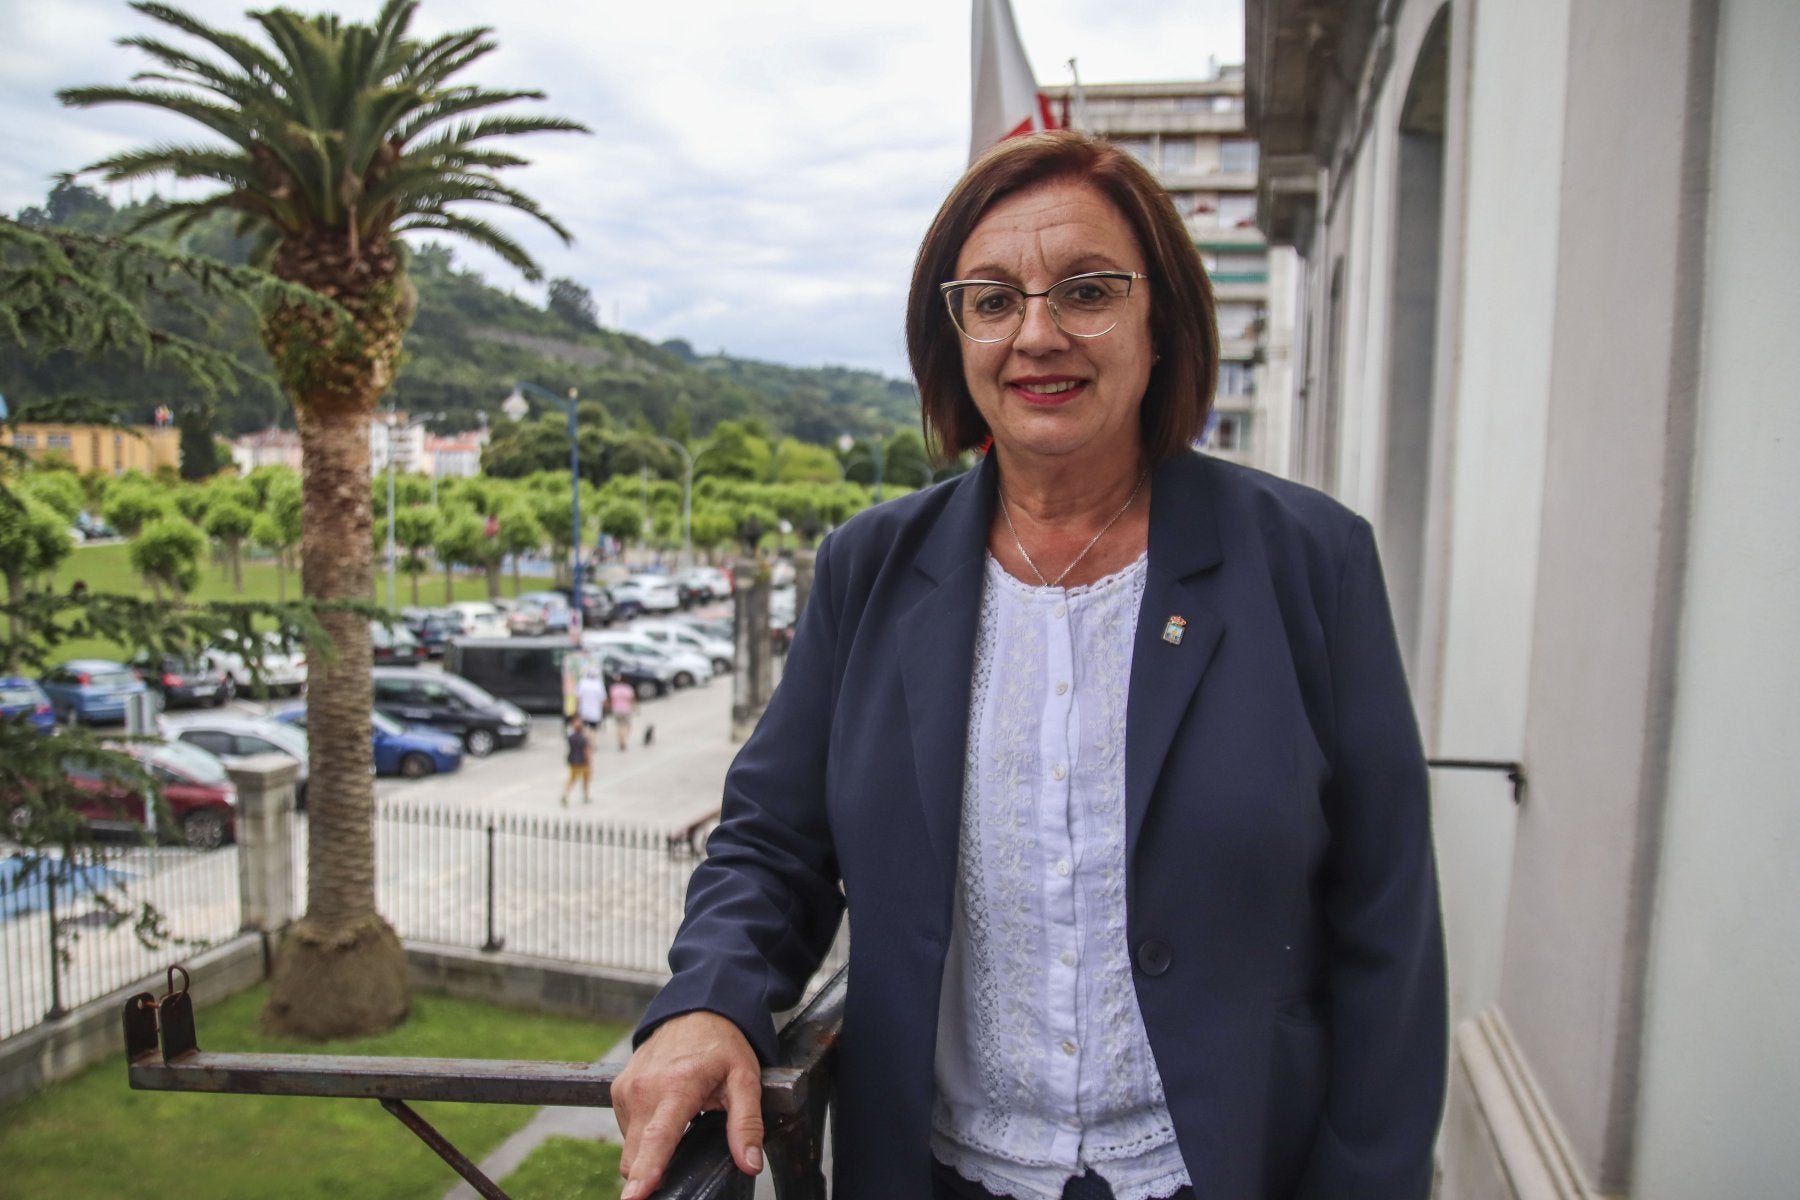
{"x": 457, "y": 455}
{"x": 108, "y": 449}
{"x": 267, "y": 448}
{"x": 1192, "y": 135}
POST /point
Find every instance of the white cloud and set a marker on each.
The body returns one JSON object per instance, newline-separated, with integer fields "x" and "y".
{"x": 759, "y": 174}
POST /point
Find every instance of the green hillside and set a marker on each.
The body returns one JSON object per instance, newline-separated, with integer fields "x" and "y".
{"x": 468, "y": 343}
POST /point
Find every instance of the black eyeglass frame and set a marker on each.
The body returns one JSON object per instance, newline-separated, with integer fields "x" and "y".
{"x": 1130, "y": 277}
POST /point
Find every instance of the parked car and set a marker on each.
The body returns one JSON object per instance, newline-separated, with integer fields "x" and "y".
{"x": 91, "y": 690}
{"x": 272, "y": 667}
{"x": 433, "y": 627}
{"x": 451, "y": 704}
{"x": 479, "y": 618}
{"x": 199, "y": 799}
{"x": 705, "y": 583}
{"x": 233, "y": 737}
{"x": 412, "y": 751}
{"x": 597, "y": 606}
{"x": 552, "y": 610}
{"x": 722, "y": 653}
{"x": 394, "y": 647}
{"x": 22, "y": 697}
{"x": 648, "y": 593}
{"x": 184, "y": 682}
{"x": 688, "y": 667}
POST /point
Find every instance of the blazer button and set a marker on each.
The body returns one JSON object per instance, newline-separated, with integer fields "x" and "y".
{"x": 1153, "y": 956}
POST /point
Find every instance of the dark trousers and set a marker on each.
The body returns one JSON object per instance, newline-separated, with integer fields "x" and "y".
{"x": 946, "y": 1184}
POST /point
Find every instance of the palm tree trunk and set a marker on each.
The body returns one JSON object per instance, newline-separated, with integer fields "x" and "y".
{"x": 341, "y": 969}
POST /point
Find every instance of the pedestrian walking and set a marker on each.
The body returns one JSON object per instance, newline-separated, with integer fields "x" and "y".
{"x": 590, "y": 699}
{"x": 623, "y": 701}
{"x": 580, "y": 762}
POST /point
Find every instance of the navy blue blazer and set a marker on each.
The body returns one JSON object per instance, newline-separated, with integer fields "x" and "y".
{"x": 1282, "y": 909}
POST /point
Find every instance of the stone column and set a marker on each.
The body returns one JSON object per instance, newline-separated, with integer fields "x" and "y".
{"x": 751, "y": 684}
{"x": 265, "y": 785}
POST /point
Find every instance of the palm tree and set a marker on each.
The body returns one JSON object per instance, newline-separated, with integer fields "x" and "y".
{"x": 337, "y": 138}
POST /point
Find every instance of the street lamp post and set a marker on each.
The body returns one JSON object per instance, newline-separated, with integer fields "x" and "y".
{"x": 412, "y": 424}
{"x": 687, "y": 501}
{"x": 568, "y": 407}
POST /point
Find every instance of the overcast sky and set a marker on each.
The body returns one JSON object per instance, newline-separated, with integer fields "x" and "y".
{"x": 760, "y": 171}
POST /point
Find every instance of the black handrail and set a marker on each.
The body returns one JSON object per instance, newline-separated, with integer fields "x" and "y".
{"x": 163, "y": 1054}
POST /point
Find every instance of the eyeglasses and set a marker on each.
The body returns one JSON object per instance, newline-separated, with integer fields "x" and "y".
{"x": 1083, "y": 306}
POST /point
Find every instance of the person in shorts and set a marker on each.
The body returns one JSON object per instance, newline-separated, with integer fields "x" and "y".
{"x": 622, "y": 702}
{"x": 581, "y": 766}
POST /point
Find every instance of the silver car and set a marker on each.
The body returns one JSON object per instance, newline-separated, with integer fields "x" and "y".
{"x": 233, "y": 737}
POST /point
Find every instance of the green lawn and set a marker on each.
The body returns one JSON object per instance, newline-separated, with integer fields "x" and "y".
{"x": 107, "y": 568}
{"x": 566, "y": 1168}
{"x": 93, "y": 1138}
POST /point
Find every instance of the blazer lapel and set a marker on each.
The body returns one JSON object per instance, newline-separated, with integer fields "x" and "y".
{"x": 1176, "y": 632}
{"x": 938, "y": 639}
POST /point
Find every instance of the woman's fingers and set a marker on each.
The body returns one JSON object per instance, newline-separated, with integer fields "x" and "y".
{"x": 692, "y": 1063}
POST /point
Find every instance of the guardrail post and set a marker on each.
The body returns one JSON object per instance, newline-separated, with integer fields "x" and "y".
{"x": 493, "y": 944}
{"x": 57, "y": 1011}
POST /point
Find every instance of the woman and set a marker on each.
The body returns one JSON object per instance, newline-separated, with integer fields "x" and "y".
{"x": 1108, "y": 745}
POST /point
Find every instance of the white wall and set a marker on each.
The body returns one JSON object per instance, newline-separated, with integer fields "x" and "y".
{"x": 1508, "y": 250}
{"x": 1721, "y": 1075}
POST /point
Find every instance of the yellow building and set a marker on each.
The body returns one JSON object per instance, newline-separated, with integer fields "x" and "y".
{"x": 99, "y": 447}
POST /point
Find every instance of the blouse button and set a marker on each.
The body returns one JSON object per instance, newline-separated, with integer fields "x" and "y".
{"x": 1059, "y": 770}
{"x": 1062, "y": 688}
{"x": 1058, "y": 611}
{"x": 1068, "y": 1047}
{"x": 1068, "y": 958}
{"x": 1063, "y": 868}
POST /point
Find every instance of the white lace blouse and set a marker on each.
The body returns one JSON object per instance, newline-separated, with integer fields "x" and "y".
{"x": 1043, "y": 1068}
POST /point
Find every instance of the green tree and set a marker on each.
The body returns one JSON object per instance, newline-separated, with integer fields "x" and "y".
{"x": 199, "y": 451}
{"x": 415, "y": 529}
{"x": 574, "y": 304}
{"x": 58, "y": 489}
{"x": 734, "y": 451}
{"x": 129, "y": 508}
{"x": 462, "y": 540}
{"x": 34, "y": 538}
{"x": 338, "y": 138}
{"x": 228, "y": 522}
{"x": 520, "y": 533}
{"x": 167, "y": 552}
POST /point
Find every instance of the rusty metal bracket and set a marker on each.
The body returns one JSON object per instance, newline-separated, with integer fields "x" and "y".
{"x": 163, "y": 1054}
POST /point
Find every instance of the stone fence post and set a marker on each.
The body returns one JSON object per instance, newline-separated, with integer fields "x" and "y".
{"x": 751, "y": 684}
{"x": 265, "y": 785}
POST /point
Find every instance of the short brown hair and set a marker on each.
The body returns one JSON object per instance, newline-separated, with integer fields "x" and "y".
{"x": 1183, "y": 327}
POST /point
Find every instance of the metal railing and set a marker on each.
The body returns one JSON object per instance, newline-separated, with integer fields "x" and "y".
{"x": 556, "y": 887}
{"x": 162, "y": 1054}
{"x": 71, "y": 932}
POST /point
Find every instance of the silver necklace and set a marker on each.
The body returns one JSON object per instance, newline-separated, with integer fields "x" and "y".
{"x": 1006, "y": 516}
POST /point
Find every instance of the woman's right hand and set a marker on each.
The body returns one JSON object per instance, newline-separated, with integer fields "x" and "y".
{"x": 691, "y": 1064}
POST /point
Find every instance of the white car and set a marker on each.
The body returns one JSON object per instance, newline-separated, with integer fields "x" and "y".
{"x": 689, "y": 666}
{"x": 710, "y": 583}
{"x": 651, "y": 593}
{"x": 480, "y": 618}
{"x": 233, "y": 737}
{"x": 669, "y": 634}
{"x": 275, "y": 668}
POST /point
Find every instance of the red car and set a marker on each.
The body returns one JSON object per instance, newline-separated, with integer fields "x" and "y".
{"x": 198, "y": 795}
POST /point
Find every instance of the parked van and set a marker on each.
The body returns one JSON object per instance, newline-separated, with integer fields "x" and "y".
{"x": 526, "y": 670}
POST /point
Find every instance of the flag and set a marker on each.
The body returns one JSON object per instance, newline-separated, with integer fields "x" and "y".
{"x": 1007, "y": 102}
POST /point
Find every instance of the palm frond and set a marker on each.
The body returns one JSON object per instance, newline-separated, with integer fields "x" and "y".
{"x": 477, "y": 231}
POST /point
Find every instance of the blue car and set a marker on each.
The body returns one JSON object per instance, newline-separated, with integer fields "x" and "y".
{"x": 91, "y": 690}
{"x": 411, "y": 751}
{"x": 21, "y": 697}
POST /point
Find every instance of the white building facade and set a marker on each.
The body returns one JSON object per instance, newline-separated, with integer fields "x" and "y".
{"x": 1546, "y": 345}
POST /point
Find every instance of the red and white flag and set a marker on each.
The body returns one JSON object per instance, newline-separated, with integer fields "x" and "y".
{"x": 1007, "y": 100}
